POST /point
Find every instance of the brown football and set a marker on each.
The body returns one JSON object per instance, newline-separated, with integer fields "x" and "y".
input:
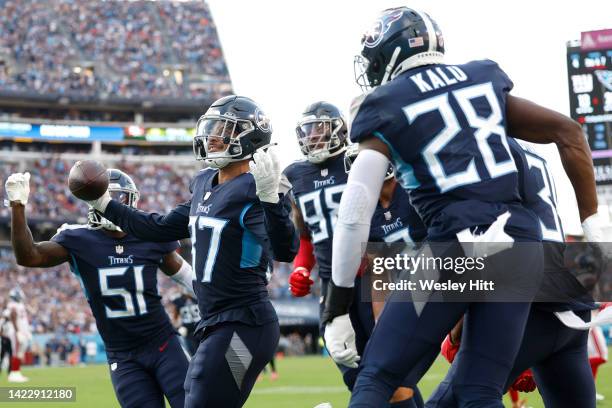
{"x": 88, "y": 179}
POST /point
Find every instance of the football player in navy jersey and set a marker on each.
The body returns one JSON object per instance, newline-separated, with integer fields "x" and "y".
{"x": 237, "y": 222}
{"x": 557, "y": 354}
{"x": 316, "y": 183}
{"x": 444, "y": 128}
{"x": 118, "y": 274}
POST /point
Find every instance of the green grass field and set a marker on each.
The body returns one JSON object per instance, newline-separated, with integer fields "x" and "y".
{"x": 304, "y": 382}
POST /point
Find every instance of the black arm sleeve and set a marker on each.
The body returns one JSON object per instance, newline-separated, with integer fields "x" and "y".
{"x": 278, "y": 227}
{"x": 150, "y": 227}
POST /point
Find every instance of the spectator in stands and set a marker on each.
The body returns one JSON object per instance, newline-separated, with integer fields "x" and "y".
{"x": 125, "y": 49}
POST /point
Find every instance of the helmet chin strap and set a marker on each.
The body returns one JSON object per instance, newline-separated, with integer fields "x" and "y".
{"x": 390, "y": 65}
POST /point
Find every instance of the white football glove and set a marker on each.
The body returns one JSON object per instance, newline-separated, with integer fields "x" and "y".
{"x": 17, "y": 187}
{"x": 100, "y": 203}
{"x": 266, "y": 171}
{"x": 340, "y": 341}
{"x": 593, "y": 228}
{"x": 598, "y": 231}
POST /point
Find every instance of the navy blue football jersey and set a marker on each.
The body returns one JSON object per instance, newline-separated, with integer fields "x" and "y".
{"x": 559, "y": 290}
{"x": 119, "y": 278}
{"x": 445, "y": 129}
{"x": 537, "y": 190}
{"x": 231, "y": 253}
{"x": 188, "y": 311}
{"x": 317, "y": 190}
{"x": 398, "y": 222}
{"x": 234, "y": 237}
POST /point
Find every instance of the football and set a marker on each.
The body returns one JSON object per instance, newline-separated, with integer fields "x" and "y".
{"x": 88, "y": 179}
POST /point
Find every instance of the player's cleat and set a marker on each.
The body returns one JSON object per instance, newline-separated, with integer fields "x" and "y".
{"x": 599, "y": 397}
{"x": 17, "y": 377}
{"x": 324, "y": 405}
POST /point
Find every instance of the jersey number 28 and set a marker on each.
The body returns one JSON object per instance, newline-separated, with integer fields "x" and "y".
{"x": 485, "y": 127}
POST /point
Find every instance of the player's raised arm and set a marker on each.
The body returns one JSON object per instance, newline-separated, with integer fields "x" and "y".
{"x": 27, "y": 252}
{"x": 278, "y": 225}
{"x": 529, "y": 121}
{"x": 146, "y": 226}
{"x": 178, "y": 270}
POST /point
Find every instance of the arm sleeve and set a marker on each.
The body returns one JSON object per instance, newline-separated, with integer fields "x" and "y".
{"x": 63, "y": 238}
{"x": 364, "y": 118}
{"x": 284, "y": 239}
{"x": 355, "y": 213}
{"x": 275, "y": 226}
{"x": 305, "y": 257}
{"x": 150, "y": 227}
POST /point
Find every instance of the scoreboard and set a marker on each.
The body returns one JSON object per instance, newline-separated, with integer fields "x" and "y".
{"x": 589, "y": 66}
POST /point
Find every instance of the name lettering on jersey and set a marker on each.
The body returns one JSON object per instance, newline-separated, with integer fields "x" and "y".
{"x": 393, "y": 226}
{"x": 204, "y": 208}
{"x": 114, "y": 260}
{"x": 439, "y": 77}
{"x": 322, "y": 183}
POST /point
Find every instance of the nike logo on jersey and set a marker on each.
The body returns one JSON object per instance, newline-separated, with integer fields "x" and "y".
{"x": 438, "y": 77}
{"x": 322, "y": 183}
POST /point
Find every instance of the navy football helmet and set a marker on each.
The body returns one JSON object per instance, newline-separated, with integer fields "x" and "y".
{"x": 351, "y": 154}
{"x": 400, "y": 39}
{"x": 231, "y": 130}
{"x": 121, "y": 188}
{"x": 321, "y": 132}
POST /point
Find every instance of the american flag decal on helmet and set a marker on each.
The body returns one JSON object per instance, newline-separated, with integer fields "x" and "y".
{"x": 416, "y": 42}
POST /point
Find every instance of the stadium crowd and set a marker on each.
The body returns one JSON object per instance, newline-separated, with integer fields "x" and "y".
{"x": 134, "y": 50}
{"x": 161, "y": 186}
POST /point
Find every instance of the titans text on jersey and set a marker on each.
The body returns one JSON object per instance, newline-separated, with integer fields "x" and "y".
{"x": 398, "y": 222}
{"x": 317, "y": 189}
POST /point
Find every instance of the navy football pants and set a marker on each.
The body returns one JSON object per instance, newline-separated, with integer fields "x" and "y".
{"x": 142, "y": 378}
{"x": 558, "y": 358}
{"x": 362, "y": 319}
{"x": 228, "y": 360}
{"x": 407, "y": 338}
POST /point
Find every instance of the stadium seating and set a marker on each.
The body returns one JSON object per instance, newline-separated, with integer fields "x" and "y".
{"x": 111, "y": 49}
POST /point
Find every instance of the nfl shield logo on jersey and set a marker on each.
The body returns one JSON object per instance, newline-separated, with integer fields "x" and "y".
{"x": 119, "y": 249}
{"x": 324, "y": 172}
